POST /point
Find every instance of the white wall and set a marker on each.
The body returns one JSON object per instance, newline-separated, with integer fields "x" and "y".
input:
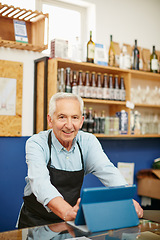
{"x": 126, "y": 20}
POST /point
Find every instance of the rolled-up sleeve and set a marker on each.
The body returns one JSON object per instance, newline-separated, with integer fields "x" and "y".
{"x": 38, "y": 174}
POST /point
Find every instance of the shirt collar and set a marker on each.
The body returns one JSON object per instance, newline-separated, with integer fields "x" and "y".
{"x": 58, "y": 146}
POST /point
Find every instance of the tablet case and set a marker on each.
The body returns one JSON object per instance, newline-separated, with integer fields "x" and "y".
{"x": 106, "y": 208}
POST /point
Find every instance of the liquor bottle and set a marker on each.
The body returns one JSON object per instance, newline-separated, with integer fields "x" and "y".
{"x": 68, "y": 87}
{"x": 87, "y": 87}
{"x": 116, "y": 89}
{"x": 122, "y": 90}
{"x": 58, "y": 78}
{"x": 105, "y": 88}
{"x": 90, "y": 121}
{"x": 80, "y": 86}
{"x": 135, "y": 64}
{"x": 93, "y": 85}
{"x": 111, "y": 54}
{"x": 99, "y": 86}
{"x": 90, "y": 49}
{"x": 154, "y": 61}
{"x": 62, "y": 82}
{"x": 74, "y": 83}
{"x": 85, "y": 122}
{"x": 111, "y": 89}
{"x": 96, "y": 123}
{"x": 102, "y": 122}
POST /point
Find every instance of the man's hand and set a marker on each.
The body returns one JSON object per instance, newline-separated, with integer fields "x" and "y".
{"x": 72, "y": 213}
{"x": 138, "y": 208}
{"x": 63, "y": 209}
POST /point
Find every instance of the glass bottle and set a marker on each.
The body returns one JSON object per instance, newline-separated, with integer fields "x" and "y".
{"x": 93, "y": 85}
{"x": 116, "y": 89}
{"x": 90, "y": 120}
{"x": 99, "y": 86}
{"x": 135, "y": 64}
{"x": 122, "y": 90}
{"x": 96, "y": 123}
{"x": 105, "y": 88}
{"x": 111, "y": 54}
{"x": 85, "y": 122}
{"x": 58, "y": 78}
{"x": 62, "y": 82}
{"x": 74, "y": 83}
{"x": 80, "y": 86}
{"x": 102, "y": 123}
{"x": 111, "y": 89}
{"x": 68, "y": 87}
{"x": 87, "y": 87}
{"x": 90, "y": 49}
{"x": 154, "y": 61}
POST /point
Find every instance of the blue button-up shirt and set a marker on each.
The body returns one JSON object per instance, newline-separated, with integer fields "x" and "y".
{"x": 37, "y": 157}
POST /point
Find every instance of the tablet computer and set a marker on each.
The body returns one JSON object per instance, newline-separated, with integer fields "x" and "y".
{"x": 105, "y": 208}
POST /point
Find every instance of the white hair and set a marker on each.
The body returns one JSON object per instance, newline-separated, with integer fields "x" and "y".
{"x": 63, "y": 95}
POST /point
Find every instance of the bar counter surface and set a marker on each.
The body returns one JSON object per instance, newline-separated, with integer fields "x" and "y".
{"x": 146, "y": 230}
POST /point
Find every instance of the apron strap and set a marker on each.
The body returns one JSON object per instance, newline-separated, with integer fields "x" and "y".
{"x": 49, "y": 145}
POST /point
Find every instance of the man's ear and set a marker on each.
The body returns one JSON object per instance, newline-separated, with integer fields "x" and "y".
{"x": 50, "y": 124}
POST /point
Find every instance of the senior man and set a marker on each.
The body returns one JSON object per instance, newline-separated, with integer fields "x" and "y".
{"x": 57, "y": 161}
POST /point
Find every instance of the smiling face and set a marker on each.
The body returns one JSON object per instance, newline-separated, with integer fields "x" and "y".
{"x": 67, "y": 120}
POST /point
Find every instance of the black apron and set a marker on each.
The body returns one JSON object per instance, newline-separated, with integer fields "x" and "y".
{"x": 68, "y": 183}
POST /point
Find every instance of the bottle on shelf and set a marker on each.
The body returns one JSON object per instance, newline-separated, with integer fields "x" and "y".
{"x": 68, "y": 87}
{"x": 85, "y": 122}
{"x": 111, "y": 54}
{"x": 90, "y": 49}
{"x": 96, "y": 123}
{"x": 58, "y": 78}
{"x": 90, "y": 121}
{"x": 116, "y": 89}
{"x": 61, "y": 81}
{"x": 93, "y": 85}
{"x": 122, "y": 90}
{"x": 102, "y": 123}
{"x": 87, "y": 87}
{"x": 105, "y": 88}
{"x": 99, "y": 86}
{"x": 154, "y": 61}
{"x": 74, "y": 83}
{"x": 135, "y": 56}
{"x": 111, "y": 89}
{"x": 80, "y": 87}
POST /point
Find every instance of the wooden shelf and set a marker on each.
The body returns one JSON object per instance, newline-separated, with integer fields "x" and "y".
{"x": 99, "y": 101}
{"x": 146, "y": 105}
{"x": 128, "y": 136}
{"x": 110, "y": 107}
{"x": 35, "y": 25}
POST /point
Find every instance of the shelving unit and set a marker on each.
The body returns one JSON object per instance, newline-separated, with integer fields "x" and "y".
{"x": 36, "y": 23}
{"x": 110, "y": 106}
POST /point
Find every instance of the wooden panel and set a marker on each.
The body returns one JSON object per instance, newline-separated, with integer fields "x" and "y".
{"x": 12, "y": 125}
{"x": 40, "y": 97}
{"x": 40, "y": 94}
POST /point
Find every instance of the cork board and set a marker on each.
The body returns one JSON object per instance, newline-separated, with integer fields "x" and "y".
{"x": 11, "y": 80}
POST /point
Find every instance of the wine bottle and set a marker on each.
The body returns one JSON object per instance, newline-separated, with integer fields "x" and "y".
{"x": 68, "y": 87}
{"x": 135, "y": 64}
{"x": 111, "y": 54}
{"x": 90, "y": 49}
{"x": 74, "y": 83}
{"x": 154, "y": 61}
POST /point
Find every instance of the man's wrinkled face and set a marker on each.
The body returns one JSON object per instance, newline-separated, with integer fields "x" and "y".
{"x": 67, "y": 120}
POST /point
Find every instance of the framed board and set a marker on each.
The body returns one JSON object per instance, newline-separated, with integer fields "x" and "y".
{"x": 11, "y": 82}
